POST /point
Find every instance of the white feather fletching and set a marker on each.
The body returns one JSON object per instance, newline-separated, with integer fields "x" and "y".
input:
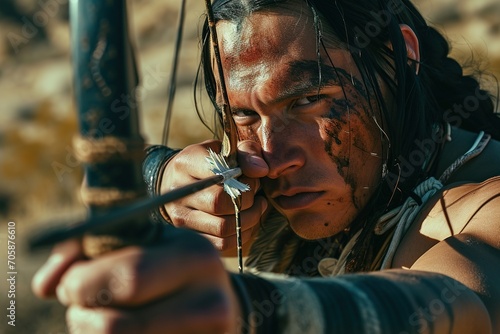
{"x": 219, "y": 166}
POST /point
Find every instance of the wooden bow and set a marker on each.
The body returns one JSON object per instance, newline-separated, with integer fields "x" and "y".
{"x": 109, "y": 143}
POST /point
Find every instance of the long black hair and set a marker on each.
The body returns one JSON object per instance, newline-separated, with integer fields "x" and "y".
{"x": 426, "y": 99}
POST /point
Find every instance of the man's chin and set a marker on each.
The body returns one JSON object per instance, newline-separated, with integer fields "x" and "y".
{"x": 312, "y": 227}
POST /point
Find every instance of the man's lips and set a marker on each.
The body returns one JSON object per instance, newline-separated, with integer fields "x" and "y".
{"x": 299, "y": 200}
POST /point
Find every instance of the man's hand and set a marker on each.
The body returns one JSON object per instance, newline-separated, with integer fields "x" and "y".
{"x": 211, "y": 211}
{"x": 178, "y": 285}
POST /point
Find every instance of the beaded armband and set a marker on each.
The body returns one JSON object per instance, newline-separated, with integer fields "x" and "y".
{"x": 157, "y": 157}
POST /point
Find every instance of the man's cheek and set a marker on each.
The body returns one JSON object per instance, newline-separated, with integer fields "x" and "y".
{"x": 335, "y": 138}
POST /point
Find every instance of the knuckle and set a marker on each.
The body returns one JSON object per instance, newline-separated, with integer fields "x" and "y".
{"x": 225, "y": 228}
{"x": 128, "y": 289}
{"x": 113, "y": 324}
{"x": 201, "y": 148}
{"x": 177, "y": 162}
{"x": 75, "y": 287}
{"x": 219, "y": 227}
{"x": 223, "y": 244}
{"x": 217, "y": 202}
{"x": 177, "y": 216}
{"x": 248, "y": 199}
{"x": 105, "y": 324}
{"x": 180, "y": 160}
{"x": 216, "y": 243}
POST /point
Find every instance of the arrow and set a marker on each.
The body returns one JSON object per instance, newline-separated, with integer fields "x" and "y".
{"x": 51, "y": 236}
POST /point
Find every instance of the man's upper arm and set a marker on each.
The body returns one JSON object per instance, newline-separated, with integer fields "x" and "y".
{"x": 472, "y": 208}
{"x": 462, "y": 231}
{"x": 472, "y": 262}
{"x": 485, "y": 224}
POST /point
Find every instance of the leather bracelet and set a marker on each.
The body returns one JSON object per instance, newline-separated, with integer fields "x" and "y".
{"x": 157, "y": 157}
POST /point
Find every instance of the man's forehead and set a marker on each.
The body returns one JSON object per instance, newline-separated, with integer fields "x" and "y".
{"x": 243, "y": 43}
{"x": 258, "y": 36}
{"x": 270, "y": 35}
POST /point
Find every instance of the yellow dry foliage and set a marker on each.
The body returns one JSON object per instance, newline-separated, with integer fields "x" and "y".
{"x": 29, "y": 151}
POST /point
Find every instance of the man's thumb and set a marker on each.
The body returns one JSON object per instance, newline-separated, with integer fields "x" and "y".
{"x": 250, "y": 159}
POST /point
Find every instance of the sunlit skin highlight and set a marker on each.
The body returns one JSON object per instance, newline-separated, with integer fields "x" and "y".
{"x": 320, "y": 142}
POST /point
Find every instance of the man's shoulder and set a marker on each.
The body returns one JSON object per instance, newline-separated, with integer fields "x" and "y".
{"x": 471, "y": 193}
{"x": 460, "y": 205}
{"x": 459, "y": 208}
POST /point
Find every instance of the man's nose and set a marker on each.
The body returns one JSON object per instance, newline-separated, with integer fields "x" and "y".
{"x": 281, "y": 148}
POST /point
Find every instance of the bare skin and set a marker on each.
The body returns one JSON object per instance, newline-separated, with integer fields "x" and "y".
{"x": 312, "y": 155}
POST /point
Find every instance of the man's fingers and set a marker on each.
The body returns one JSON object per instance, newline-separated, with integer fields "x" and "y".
{"x": 47, "y": 278}
{"x": 230, "y": 243}
{"x": 213, "y": 200}
{"x": 220, "y": 226}
{"x": 250, "y": 159}
{"x": 191, "y": 161}
{"x": 134, "y": 276}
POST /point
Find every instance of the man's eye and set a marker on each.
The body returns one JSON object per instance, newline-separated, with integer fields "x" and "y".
{"x": 308, "y": 100}
{"x": 244, "y": 117}
{"x": 244, "y": 113}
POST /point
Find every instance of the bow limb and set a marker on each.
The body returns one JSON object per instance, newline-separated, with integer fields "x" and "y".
{"x": 109, "y": 143}
{"x": 173, "y": 73}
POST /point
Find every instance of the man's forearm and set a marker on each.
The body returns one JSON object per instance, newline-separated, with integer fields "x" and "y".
{"x": 394, "y": 301}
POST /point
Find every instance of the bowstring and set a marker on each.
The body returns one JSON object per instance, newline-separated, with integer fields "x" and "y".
{"x": 173, "y": 73}
{"x": 230, "y": 135}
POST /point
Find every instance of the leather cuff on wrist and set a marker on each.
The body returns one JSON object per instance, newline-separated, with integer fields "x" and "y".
{"x": 157, "y": 157}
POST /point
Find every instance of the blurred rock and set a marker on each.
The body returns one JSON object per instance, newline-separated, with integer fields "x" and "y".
{"x": 467, "y": 24}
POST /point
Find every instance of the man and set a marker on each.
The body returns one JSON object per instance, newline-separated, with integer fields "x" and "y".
{"x": 354, "y": 166}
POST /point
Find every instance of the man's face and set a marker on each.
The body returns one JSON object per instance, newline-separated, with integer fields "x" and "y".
{"x": 321, "y": 143}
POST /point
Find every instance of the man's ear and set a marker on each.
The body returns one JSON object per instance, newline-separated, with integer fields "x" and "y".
{"x": 412, "y": 46}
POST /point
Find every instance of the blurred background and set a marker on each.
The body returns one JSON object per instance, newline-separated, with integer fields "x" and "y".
{"x": 38, "y": 120}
